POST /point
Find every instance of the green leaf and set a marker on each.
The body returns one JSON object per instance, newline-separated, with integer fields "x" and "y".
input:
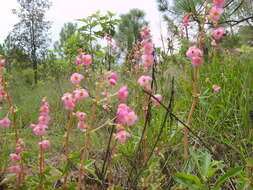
{"x": 230, "y": 173}
{"x": 206, "y": 164}
{"x": 188, "y": 180}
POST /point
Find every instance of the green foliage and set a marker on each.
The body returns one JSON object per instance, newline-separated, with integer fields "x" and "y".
{"x": 28, "y": 76}
{"x": 129, "y": 28}
{"x": 206, "y": 168}
{"x": 67, "y": 31}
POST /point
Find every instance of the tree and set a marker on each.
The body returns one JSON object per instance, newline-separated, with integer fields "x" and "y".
{"x": 15, "y": 55}
{"x": 31, "y": 33}
{"x": 237, "y": 11}
{"x": 67, "y": 31}
{"x": 129, "y": 28}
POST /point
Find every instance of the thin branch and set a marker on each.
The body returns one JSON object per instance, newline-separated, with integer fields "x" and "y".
{"x": 234, "y": 21}
{"x": 180, "y": 121}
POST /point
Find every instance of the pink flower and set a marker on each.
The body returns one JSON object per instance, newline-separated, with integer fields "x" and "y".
{"x": 81, "y": 125}
{"x": 14, "y": 169}
{"x": 214, "y": 44}
{"x": 78, "y": 61}
{"x": 113, "y": 75}
{"x": 67, "y": 97}
{"x": 81, "y": 116}
{"x": 44, "y": 110}
{"x": 18, "y": 149}
{"x": 80, "y": 94}
{"x": 21, "y": 143}
{"x": 122, "y": 136}
{"x": 187, "y": 20}
{"x": 32, "y": 126}
{"x": 158, "y": 97}
{"x": 216, "y": 13}
{"x": 124, "y": 107}
{"x": 131, "y": 117}
{"x": 147, "y": 60}
{"x": 149, "y": 90}
{"x": 122, "y": 93}
{"x": 70, "y": 105}
{"x": 105, "y": 107}
{"x": 5, "y": 122}
{"x": 148, "y": 48}
{"x": 218, "y": 33}
{"x": 219, "y": 3}
{"x": 193, "y": 51}
{"x": 125, "y": 115}
{"x": 87, "y": 59}
{"x": 216, "y": 89}
{"x": 122, "y": 112}
{"x": 196, "y": 61}
{"x": 2, "y": 62}
{"x": 44, "y": 119}
{"x": 144, "y": 80}
{"x": 15, "y": 157}
{"x": 112, "y": 82}
{"x": 76, "y": 78}
{"x": 44, "y": 144}
{"x": 40, "y": 130}
{"x": 145, "y": 33}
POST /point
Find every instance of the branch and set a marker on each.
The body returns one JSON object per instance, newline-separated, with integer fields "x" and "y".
{"x": 180, "y": 121}
{"x": 233, "y": 21}
{"x": 228, "y": 3}
{"x": 237, "y": 21}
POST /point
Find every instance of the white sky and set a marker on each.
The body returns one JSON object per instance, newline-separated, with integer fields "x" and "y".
{"x": 64, "y": 11}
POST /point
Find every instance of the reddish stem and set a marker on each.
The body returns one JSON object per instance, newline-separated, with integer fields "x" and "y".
{"x": 86, "y": 145}
{"x": 66, "y": 147}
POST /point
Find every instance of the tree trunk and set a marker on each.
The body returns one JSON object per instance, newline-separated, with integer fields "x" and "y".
{"x": 35, "y": 71}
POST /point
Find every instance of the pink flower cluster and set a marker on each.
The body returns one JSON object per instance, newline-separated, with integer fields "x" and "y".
{"x": 122, "y": 93}
{"x": 43, "y": 119}
{"x": 81, "y": 125}
{"x": 215, "y": 14}
{"x": 40, "y": 129}
{"x": 194, "y": 53}
{"x": 148, "y": 48}
{"x": 187, "y": 20}
{"x": 108, "y": 38}
{"x": 113, "y": 77}
{"x": 70, "y": 99}
{"x": 125, "y": 116}
{"x": 15, "y": 158}
{"x": 84, "y": 59}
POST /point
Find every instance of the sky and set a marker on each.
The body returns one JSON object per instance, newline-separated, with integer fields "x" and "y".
{"x": 63, "y": 11}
